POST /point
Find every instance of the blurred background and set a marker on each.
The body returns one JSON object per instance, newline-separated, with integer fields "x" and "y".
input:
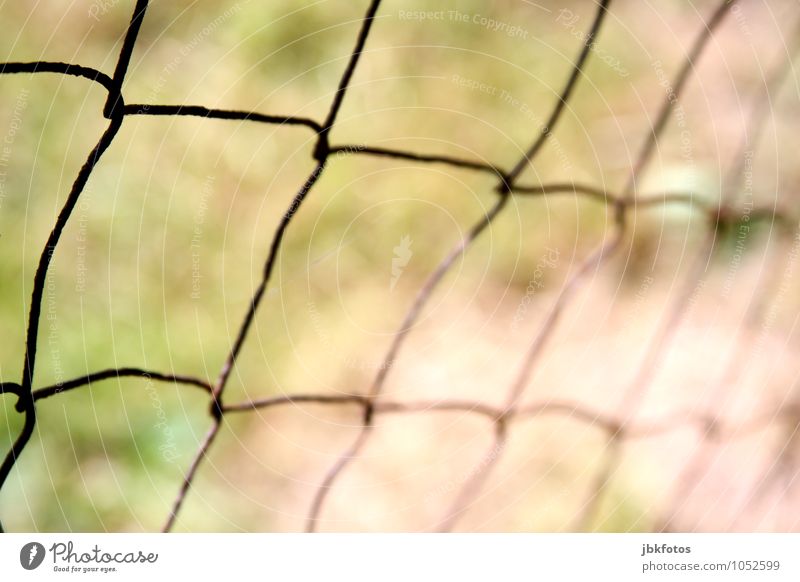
{"x": 161, "y": 257}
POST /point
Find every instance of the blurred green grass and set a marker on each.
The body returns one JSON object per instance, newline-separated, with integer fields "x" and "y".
{"x": 95, "y": 462}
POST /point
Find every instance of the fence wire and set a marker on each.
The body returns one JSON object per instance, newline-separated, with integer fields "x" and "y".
{"x": 618, "y": 428}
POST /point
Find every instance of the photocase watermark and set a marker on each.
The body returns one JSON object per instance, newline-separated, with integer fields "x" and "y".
{"x": 101, "y": 8}
{"x": 402, "y": 255}
{"x": 316, "y": 323}
{"x": 632, "y": 313}
{"x": 548, "y": 261}
{"x": 785, "y": 287}
{"x": 568, "y": 19}
{"x": 691, "y": 304}
{"x": 187, "y": 48}
{"x": 68, "y": 558}
{"x": 532, "y": 116}
{"x": 168, "y": 448}
{"x": 344, "y": 152}
{"x": 475, "y": 85}
{"x": 310, "y": 181}
{"x": 467, "y": 475}
{"x": 527, "y": 112}
{"x": 51, "y": 310}
{"x": 31, "y": 555}
{"x": 82, "y": 240}
{"x": 741, "y": 21}
{"x": 477, "y": 19}
{"x": 678, "y": 112}
{"x": 8, "y": 141}
{"x": 743, "y": 227}
{"x": 350, "y": 149}
{"x": 197, "y": 234}
{"x": 95, "y": 560}
{"x": 350, "y": 362}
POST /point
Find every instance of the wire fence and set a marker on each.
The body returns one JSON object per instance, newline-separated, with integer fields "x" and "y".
{"x": 620, "y": 428}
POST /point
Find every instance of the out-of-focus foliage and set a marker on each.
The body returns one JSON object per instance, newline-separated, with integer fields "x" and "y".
{"x": 159, "y": 262}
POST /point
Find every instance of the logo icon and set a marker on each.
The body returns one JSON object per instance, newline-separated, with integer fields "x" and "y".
{"x": 31, "y": 555}
{"x": 402, "y": 254}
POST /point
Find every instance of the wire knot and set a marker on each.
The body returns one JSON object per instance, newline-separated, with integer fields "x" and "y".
{"x": 215, "y": 409}
{"x": 504, "y": 187}
{"x": 323, "y": 148}
{"x": 115, "y": 105}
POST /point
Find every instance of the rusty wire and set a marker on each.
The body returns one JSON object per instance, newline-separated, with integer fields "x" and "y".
{"x": 618, "y": 428}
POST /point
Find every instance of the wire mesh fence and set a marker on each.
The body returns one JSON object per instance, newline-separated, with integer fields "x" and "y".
{"x": 625, "y": 426}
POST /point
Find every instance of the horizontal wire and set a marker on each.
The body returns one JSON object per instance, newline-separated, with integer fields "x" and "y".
{"x": 573, "y": 410}
{"x": 230, "y": 114}
{"x": 115, "y": 109}
{"x": 119, "y": 373}
{"x": 62, "y": 68}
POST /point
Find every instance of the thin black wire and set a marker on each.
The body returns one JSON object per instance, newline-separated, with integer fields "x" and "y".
{"x": 60, "y": 68}
{"x": 114, "y": 106}
{"x": 119, "y": 373}
{"x": 321, "y": 154}
{"x": 26, "y": 403}
{"x": 115, "y": 110}
{"x": 561, "y": 103}
{"x": 759, "y": 109}
{"x": 504, "y": 188}
{"x": 200, "y": 111}
{"x": 642, "y": 379}
{"x": 26, "y": 400}
{"x": 344, "y": 460}
{"x": 322, "y": 150}
{"x": 677, "y": 88}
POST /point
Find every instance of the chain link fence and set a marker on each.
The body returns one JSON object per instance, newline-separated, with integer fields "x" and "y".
{"x": 623, "y": 428}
